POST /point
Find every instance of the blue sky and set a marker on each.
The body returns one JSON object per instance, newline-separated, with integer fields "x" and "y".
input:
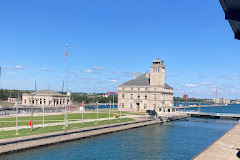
{"x": 108, "y": 40}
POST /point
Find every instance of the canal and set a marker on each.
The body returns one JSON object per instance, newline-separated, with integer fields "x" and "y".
{"x": 174, "y": 140}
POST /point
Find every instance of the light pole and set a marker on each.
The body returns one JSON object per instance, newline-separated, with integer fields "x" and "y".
{"x": 32, "y": 114}
{"x": 97, "y": 111}
{"x": 43, "y": 113}
{"x": 109, "y": 109}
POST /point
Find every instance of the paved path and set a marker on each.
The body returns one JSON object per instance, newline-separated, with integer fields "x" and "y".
{"x": 225, "y": 148}
{"x": 69, "y": 122}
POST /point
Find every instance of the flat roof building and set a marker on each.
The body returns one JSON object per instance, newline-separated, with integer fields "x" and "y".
{"x": 146, "y": 91}
{"x": 45, "y": 97}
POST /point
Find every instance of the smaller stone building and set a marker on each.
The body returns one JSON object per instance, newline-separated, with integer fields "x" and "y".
{"x": 12, "y": 100}
{"x": 46, "y": 97}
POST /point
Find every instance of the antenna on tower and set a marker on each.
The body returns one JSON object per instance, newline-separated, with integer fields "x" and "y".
{"x": 35, "y": 86}
{"x": 49, "y": 87}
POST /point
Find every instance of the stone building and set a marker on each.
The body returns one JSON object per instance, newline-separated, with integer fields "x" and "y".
{"x": 147, "y": 91}
{"x": 45, "y": 97}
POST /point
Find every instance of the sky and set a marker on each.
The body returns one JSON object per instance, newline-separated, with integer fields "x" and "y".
{"x": 109, "y": 40}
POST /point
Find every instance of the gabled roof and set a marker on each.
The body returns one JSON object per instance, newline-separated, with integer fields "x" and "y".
{"x": 139, "y": 81}
{"x": 142, "y": 81}
{"x": 47, "y": 92}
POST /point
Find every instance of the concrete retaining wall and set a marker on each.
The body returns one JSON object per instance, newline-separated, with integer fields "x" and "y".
{"x": 20, "y": 143}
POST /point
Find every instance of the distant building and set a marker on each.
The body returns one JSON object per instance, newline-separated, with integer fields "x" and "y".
{"x": 227, "y": 101}
{"x": 105, "y": 95}
{"x": 46, "y": 97}
{"x": 222, "y": 100}
{"x": 12, "y": 100}
{"x": 147, "y": 91}
{"x": 112, "y": 93}
{"x": 185, "y": 96}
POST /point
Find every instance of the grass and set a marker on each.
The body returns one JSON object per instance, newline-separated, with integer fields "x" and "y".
{"x": 24, "y": 121}
{"x": 28, "y": 132}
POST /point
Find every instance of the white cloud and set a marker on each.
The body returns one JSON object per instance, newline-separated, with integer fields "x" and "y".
{"x": 205, "y": 83}
{"x": 87, "y": 71}
{"x": 191, "y": 85}
{"x": 19, "y": 67}
{"x": 98, "y": 68}
{"x": 235, "y": 78}
{"x": 14, "y": 68}
{"x": 114, "y": 80}
{"x": 47, "y": 69}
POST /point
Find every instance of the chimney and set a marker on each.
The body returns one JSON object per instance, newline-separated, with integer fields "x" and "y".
{"x": 140, "y": 74}
{"x": 134, "y": 75}
{"x": 147, "y": 74}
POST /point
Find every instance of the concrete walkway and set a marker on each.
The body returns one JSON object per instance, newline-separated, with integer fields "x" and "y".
{"x": 69, "y": 122}
{"x": 225, "y": 148}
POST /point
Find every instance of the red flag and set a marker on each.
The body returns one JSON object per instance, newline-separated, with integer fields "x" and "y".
{"x": 120, "y": 104}
{"x": 81, "y": 103}
{"x": 66, "y": 54}
{"x": 30, "y": 123}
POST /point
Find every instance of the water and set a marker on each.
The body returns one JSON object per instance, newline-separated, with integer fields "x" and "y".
{"x": 232, "y": 108}
{"x": 178, "y": 140}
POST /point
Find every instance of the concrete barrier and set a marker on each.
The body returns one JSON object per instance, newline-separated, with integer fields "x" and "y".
{"x": 20, "y": 143}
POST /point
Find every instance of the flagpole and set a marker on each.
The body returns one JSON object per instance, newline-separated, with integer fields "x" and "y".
{"x": 66, "y": 116}
{"x": 67, "y": 69}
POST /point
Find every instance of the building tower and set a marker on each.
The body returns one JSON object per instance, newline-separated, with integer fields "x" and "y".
{"x": 157, "y": 76}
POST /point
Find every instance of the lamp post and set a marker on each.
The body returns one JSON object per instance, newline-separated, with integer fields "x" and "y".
{"x": 32, "y": 115}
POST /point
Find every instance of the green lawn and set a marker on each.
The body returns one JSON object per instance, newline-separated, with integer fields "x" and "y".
{"x": 24, "y": 121}
{"x": 27, "y": 132}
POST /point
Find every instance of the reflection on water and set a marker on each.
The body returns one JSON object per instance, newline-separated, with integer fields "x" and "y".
{"x": 174, "y": 140}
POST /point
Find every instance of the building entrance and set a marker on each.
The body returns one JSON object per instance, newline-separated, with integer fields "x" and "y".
{"x": 137, "y": 104}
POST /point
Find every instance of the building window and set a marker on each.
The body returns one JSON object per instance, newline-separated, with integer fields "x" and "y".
{"x": 130, "y": 105}
{"x": 160, "y": 109}
{"x": 155, "y": 89}
{"x": 25, "y": 101}
{"x": 131, "y": 88}
{"x": 145, "y": 89}
{"x": 145, "y": 96}
{"x": 145, "y": 106}
{"x": 122, "y": 105}
{"x": 138, "y": 96}
{"x": 155, "y": 96}
{"x": 123, "y": 88}
{"x": 139, "y": 88}
{"x": 122, "y": 96}
{"x": 40, "y": 101}
{"x": 158, "y": 69}
{"x": 153, "y": 69}
{"x": 131, "y": 96}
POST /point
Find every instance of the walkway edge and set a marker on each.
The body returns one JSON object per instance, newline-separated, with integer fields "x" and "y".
{"x": 20, "y": 143}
